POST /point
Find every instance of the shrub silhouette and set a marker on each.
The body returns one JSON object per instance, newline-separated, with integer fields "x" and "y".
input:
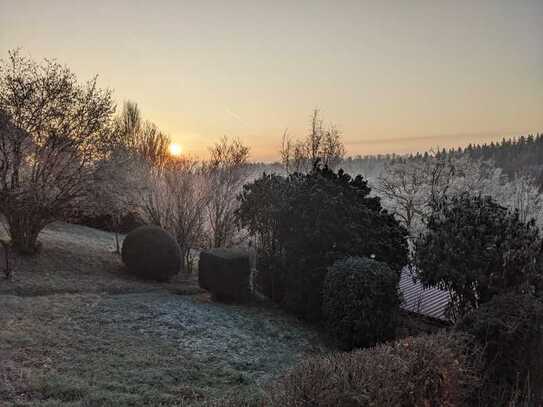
{"x": 428, "y": 370}
{"x": 225, "y": 273}
{"x": 360, "y": 301}
{"x": 477, "y": 249}
{"x": 510, "y": 330}
{"x": 305, "y": 222}
{"x": 151, "y": 253}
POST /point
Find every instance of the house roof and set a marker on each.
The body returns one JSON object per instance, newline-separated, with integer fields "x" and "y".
{"x": 431, "y": 302}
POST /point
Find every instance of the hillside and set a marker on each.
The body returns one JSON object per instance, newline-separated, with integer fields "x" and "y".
{"x": 514, "y": 155}
{"x": 78, "y": 331}
{"x": 523, "y": 154}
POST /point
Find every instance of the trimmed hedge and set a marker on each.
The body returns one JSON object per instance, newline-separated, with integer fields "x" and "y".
{"x": 361, "y": 301}
{"x": 151, "y": 253}
{"x": 226, "y": 274}
{"x": 429, "y": 370}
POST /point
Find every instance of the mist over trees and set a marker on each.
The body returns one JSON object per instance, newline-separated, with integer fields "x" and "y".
{"x": 195, "y": 200}
{"x": 227, "y": 171}
{"x": 64, "y": 152}
{"x": 137, "y": 147}
{"x": 411, "y": 187}
{"x": 64, "y": 155}
{"x": 522, "y": 155}
{"x": 174, "y": 198}
{"x": 330, "y": 247}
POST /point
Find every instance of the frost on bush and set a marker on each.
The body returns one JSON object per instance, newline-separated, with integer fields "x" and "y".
{"x": 477, "y": 249}
{"x": 225, "y": 273}
{"x": 152, "y": 253}
{"x": 429, "y": 370}
{"x": 510, "y": 330}
{"x": 361, "y": 301}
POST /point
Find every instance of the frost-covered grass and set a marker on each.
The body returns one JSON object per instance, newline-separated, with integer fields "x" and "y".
{"x": 78, "y": 259}
{"x": 68, "y": 339}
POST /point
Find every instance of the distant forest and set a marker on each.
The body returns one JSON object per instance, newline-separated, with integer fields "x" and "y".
{"x": 519, "y": 155}
{"x": 524, "y": 154}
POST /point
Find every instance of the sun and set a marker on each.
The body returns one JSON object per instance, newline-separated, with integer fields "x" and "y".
{"x": 175, "y": 150}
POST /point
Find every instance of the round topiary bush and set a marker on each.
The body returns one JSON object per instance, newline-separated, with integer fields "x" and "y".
{"x": 151, "y": 253}
{"x": 361, "y": 301}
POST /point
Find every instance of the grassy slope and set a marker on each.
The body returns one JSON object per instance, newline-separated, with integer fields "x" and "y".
{"x": 77, "y": 259}
{"x": 75, "y": 330}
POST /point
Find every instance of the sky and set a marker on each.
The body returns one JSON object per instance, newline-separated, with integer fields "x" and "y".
{"x": 394, "y": 76}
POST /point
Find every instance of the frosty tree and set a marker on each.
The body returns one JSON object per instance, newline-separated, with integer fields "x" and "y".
{"x": 53, "y": 130}
{"x": 175, "y": 198}
{"x": 137, "y": 150}
{"x": 227, "y": 172}
{"x": 409, "y": 187}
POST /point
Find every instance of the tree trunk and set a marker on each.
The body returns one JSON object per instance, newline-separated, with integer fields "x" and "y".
{"x": 114, "y": 225}
{"x": 117, "y": 245}
{"x": 24, "y": 231}
{"x": 4, "y": 263}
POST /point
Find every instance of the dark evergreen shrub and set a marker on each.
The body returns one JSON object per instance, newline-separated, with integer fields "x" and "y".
{"x": 261, "y": 204}
{"x": 310, "y": 220}
{"x": 151, "y": 253}
{"x": 361, "y": 301}
{"x": 225, "y": 273}
{"x": 509, "y": 328}
{"x": 476, "y": 249}
{"x": 428, "y": 370}
{"x": 269, "y": 277}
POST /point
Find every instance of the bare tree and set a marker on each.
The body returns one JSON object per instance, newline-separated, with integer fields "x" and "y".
{"x": 175, "y": 199}
{"x": 53, "y": 130}
{"x": 286, "y": 151}
{"x": 321, "y": 146}
{"x": 142, "y": 139}
{"x": 403, "y": 187}
{"x": 227, "y": 171}
{"x": 522, "y": 194}
{"x": 332, "y": 149}
{"x": 141, "y": 176}
{"x": 137, "y": 148}
{"x": 410, "y": 187}
{"x": 117, "y": 189}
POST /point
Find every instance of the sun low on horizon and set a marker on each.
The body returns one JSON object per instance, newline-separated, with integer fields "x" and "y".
{"x": 306, "y": 203}
{"x": 175, "y": 150}
{"x": 393, "y": 76}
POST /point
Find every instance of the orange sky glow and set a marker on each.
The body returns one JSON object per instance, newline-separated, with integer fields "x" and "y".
{"x": 394, "y": 76}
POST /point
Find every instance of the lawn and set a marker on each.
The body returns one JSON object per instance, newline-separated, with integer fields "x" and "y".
{"x": 76, "y": 330}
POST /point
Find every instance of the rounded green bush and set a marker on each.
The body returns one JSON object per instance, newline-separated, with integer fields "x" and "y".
{"x": 360, "y": 301}
{"x": 151, "y": 253}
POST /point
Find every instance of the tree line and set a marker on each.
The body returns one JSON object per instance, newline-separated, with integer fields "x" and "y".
{"x": 65, "y": 153}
